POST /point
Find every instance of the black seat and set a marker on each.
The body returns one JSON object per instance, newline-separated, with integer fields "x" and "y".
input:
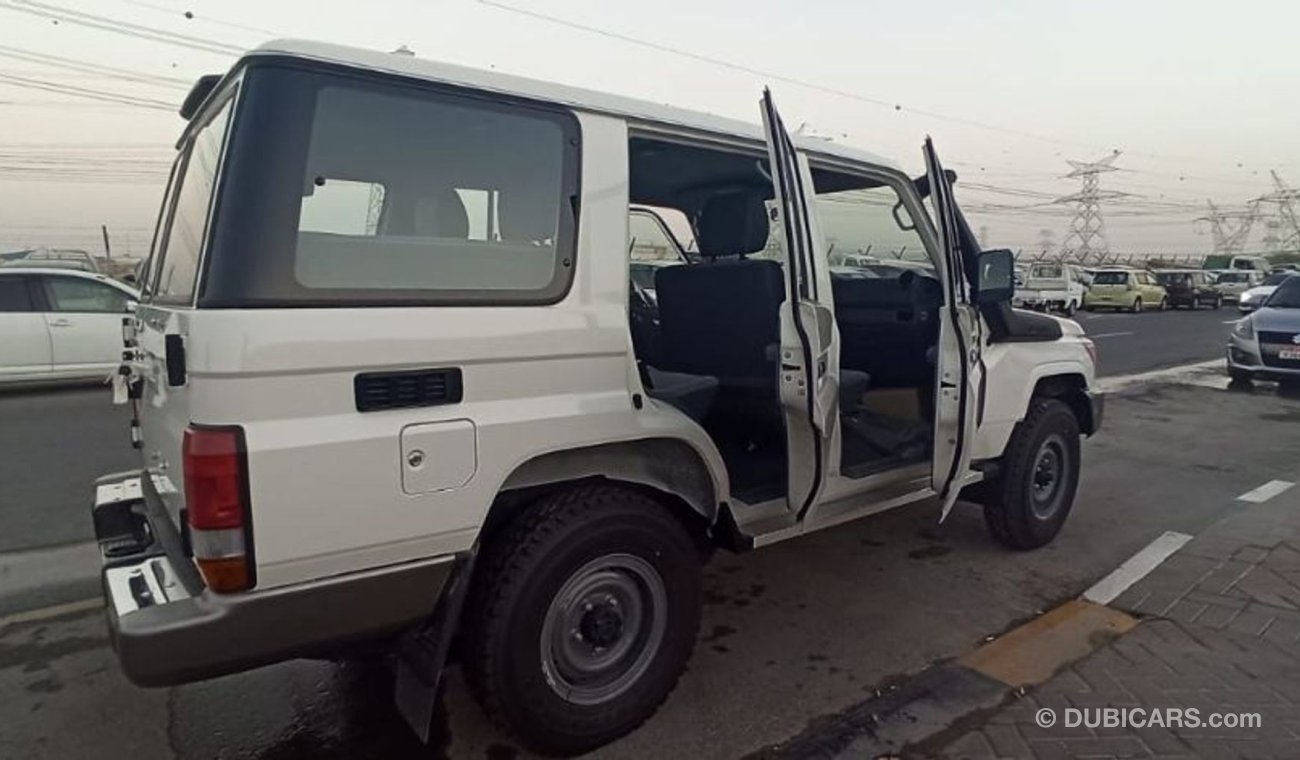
{"x": 692, "y": 394}
{"x": 721, "y": 317}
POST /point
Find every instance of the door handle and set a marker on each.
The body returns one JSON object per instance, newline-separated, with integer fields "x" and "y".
{"x": 60, "y": 323}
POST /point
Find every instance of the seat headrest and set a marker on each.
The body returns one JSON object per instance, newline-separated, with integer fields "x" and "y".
{"x": 732, "y": 223}
{"x": 443, "y": 215}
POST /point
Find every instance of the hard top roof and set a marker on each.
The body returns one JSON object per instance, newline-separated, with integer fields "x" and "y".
{"x": 549, "y": 92}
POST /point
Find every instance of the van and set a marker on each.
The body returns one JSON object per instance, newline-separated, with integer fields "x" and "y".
{"x": 389, "y": 390}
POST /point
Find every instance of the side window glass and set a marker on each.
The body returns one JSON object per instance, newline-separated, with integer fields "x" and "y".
{"x": 183, "y": 245}
{"x": 73, "y": 294}
{"x": 14, "y": 295}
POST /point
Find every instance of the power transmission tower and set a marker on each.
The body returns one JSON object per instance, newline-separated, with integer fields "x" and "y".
{"x": 1286, "y": 221}
{"x": 375, "y": 207}
{"x": 1230, "y": 229}
{"x": 1086, "y": 238}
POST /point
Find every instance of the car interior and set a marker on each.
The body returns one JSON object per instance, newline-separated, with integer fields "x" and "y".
{"x": 707, "y": 341}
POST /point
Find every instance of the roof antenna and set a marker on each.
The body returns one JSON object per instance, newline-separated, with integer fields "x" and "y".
{"x": 404, "y": 50}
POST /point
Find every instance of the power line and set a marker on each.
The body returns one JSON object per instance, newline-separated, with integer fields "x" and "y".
{"x": 191, "y": 16}
{"x": 111, "y": 72}
{"x": 104, "y": 23}
{"x": 82, "y": 92}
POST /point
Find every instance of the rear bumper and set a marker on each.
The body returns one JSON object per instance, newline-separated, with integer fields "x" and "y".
{"x": 167, "y": 628}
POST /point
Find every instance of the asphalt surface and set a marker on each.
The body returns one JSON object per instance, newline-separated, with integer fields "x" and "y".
{"x": 1131, "y": 343}
{"x": 791, "y": 634}
{"x": 53, "y": 444}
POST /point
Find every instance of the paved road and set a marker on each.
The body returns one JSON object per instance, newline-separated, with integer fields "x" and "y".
{"x": 53, "y": 444}
{"x": 791, "y": 633}
{"x": 1130, "y": 343}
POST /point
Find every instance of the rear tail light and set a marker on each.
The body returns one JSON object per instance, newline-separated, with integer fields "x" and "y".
{"x": 217, "y": 506}
{"x": 1091, "y": 348}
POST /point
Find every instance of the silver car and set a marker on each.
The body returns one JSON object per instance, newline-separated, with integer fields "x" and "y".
{"x": 1266, "y": 344}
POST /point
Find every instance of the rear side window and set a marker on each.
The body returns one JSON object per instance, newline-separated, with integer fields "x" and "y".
{"x": 183, "y": 243}
{"x": 14, "y": 295}
{"x": 343, "y": 188}
{"x": 442, "y": 195}
{"x": 74, "y": 294}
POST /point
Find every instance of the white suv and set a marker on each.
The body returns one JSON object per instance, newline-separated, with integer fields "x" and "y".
{"x": 392, "y": 384}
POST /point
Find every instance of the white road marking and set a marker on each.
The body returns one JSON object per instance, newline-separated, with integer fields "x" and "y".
{"x": 1181, "y": 373}
{"x": 45, "y": 613}
{"x": 1232, "y": 321}
{"x": 1136, "y": 567}
{"x": 1109, "y": 335}
{"x": 1265, "y": 492}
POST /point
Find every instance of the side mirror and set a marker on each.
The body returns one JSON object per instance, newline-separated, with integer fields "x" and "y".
{"x": 130, "y": 307}
{"x": 997, "y": 281}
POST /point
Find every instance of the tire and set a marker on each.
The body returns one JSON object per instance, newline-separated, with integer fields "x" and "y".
{"x": 1164, "y": 304}
{"x": 1137, "y": 305}
{"x": 1218, "y": 302}
{"x": 1033, "y": 494}
{"x": 1070, "y": 308}
{"x": 530, "y": 654}
{"x": 1239, "y": 375}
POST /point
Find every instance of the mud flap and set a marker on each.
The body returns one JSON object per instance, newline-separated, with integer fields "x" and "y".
{"x": 422, "y": 653}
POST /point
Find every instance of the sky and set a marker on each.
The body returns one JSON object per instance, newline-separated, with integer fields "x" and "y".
{"x": 1200, "y": 99}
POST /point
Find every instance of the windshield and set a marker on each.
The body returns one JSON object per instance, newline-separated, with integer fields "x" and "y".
{"x": 862, "y": 226}
{"x": 1275, "y": 279}
{"x": 1287, "y": 295}
{"x": 1110, "y": 278}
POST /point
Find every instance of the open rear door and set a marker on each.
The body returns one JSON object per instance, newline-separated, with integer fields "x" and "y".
{"x": 809, "y": 351}
{"x": 960, "y": 341}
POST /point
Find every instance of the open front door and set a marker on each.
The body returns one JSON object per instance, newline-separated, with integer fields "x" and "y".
{"x": 808, "y": 364}
{"x": 960, "y": 340}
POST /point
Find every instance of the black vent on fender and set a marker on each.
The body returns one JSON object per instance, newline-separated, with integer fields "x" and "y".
{"x": 399, "y": 390}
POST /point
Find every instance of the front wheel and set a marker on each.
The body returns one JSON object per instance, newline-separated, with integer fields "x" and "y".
{"x": 1218, "y": 302}
{"x": 1033, "y": 494}
{"x": 1070, "y": 308}
{"x": 1137, "y": 305}
{"x": 583, "y": 616}
{"x": 1164, "y": 304}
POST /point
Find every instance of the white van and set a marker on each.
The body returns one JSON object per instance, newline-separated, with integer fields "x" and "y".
{"x": 392, "y": 384}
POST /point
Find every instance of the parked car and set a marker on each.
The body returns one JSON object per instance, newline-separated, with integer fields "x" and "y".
{"x": 56, "y": 258}
{"x": 1131, "y": 289}
{"x": 1053, "y": 285}
{"x": 1231, "y": 284}
{"x": 1255, "y": 297}
{"x": 60, "y": 324}
{"x": 431, "y": 421}
{"x": 1240, "y": 262}
{"x": 1266, "y": 343}
{"x": 1190, "y": 287}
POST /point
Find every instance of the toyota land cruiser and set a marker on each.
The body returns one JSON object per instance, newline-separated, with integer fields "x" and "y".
{"x": 392, "y": 385}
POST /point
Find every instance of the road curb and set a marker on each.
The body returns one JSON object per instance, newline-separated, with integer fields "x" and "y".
{"x": 940, "y": 700}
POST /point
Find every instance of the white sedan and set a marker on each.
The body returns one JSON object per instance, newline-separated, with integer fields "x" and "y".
{"x": 60, "y": 324}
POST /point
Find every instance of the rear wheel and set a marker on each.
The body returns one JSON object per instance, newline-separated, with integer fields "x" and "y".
{"x": 583, "y": 617}
{"x": 1028, "y": 503}
{"x": 1070, "y": 308}
{"x": 1218, "y": 302}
